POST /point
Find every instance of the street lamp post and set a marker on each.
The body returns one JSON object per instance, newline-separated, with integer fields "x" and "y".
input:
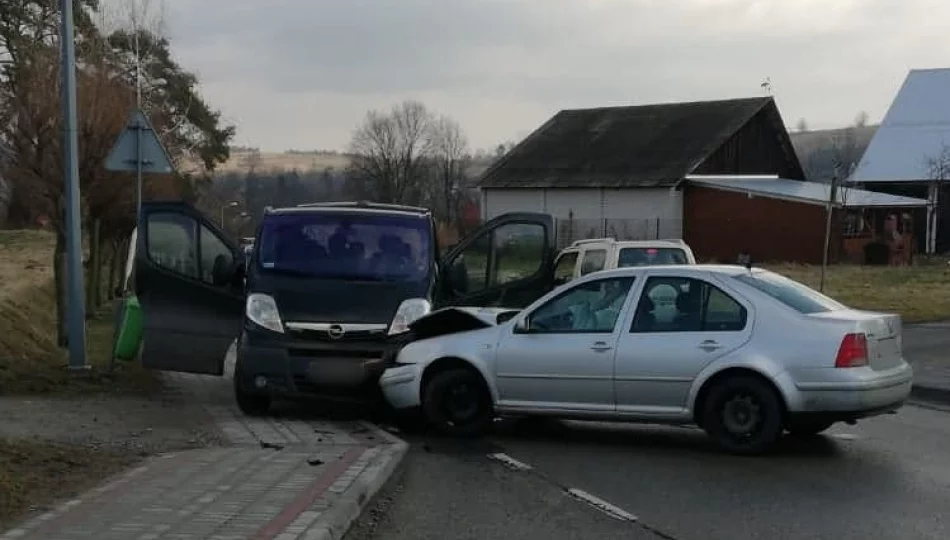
{"x": 76, "y": 303}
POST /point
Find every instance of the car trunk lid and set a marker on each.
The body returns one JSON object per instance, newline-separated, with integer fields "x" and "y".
{"x": 884, "y": 332}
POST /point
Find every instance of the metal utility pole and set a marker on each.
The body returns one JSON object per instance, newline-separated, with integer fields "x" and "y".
{"x": 830, "y": 210}
{"x": 76, "y": 298}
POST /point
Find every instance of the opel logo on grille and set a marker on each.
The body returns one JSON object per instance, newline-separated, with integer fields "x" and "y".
{"x": 335, "y": 331}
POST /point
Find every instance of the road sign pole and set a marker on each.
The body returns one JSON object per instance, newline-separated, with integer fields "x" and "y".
{"x": 76, "y": 302}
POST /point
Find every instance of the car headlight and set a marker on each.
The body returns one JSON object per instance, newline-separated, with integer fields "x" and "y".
{"x": 261, "y": 309}
{"x": 408, "y": 312}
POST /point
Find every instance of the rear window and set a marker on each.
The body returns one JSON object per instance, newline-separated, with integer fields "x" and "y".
{"x": 355, "y": 246}
{"x": 791, "y": 293}
{"x": 647, "y": 256}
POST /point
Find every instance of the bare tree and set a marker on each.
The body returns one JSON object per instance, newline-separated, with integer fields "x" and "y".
{"x": 389, "y": 155}
{"x": 861, "y": 119}
{"x": 938, "y": 172}
{"x": 450, "y": 158}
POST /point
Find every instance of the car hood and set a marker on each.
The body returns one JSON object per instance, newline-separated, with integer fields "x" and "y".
{"x": 452, "y": 320}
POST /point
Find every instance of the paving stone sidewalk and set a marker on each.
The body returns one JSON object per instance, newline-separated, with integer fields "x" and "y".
{"x": 280, "y": 478}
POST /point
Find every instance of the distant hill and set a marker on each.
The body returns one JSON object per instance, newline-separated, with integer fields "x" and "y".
{"x": 242, "y": 160}
{"x": 815, "y": 149}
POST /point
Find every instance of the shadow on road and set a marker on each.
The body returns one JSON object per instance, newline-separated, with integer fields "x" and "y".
{"x": 649, "y": 438}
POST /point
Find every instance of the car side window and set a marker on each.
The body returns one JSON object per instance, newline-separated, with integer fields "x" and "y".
{"x": 590, "y": 307}
{"x": 676, "y": 304}
{"x": 509, "y": 253}
{"x": 593, "y": 261}
{"x": 564, "y": 267}
{"x": 213, "y": 251}
{"x": 172, "y": 244}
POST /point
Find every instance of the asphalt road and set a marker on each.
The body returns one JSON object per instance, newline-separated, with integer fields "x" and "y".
{"x": 885, "y": 478}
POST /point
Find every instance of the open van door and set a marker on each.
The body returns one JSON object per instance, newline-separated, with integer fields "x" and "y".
{"x": 189, "y": 280}
{"x": 507, "y": 262}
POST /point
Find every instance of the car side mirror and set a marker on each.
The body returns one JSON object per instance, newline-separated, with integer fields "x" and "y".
{"x": 522, "y": 326}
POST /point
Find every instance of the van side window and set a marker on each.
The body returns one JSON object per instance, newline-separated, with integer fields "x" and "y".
{"x": 172, "y": 242}
{"x": 509, "y": 253}
{"x": 594, "y": 260}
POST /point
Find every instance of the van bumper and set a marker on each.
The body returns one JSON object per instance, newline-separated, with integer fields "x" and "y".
{"x": 312, "y": 370}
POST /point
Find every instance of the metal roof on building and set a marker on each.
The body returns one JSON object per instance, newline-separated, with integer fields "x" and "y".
{"x": 915, "y": 130}
{"x": 806, "y": 192}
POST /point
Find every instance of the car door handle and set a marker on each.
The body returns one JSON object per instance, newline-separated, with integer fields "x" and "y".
{"x": 710, "y": 345}
{"x": 600, "y": 346}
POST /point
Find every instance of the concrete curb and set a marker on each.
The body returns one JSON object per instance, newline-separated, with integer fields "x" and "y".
{"x": 931, "y": 394}
{"x": 336, "y": 520}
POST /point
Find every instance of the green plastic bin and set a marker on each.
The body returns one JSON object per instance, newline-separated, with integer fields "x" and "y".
{"x": 129, "y": 330}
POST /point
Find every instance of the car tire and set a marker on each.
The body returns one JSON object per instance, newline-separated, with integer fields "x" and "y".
{"x": 808, "y": 428}
{"x": 250, "y": 404}
{"x": 743, "y": 415}
{"x": 457, "y": 403}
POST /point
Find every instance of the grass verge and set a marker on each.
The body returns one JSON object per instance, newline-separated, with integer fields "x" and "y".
{"x": 33, "y": 472}
{"x": 918, "y": 293}
{"x": 31, "y": 363}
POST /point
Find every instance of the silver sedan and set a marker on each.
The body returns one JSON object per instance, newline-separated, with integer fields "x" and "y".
{"x": 744, "y": 354}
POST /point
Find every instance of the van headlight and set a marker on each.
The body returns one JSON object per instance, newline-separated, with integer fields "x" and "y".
{"x": 261, "y": 309}
{"x": 409, "y": 310}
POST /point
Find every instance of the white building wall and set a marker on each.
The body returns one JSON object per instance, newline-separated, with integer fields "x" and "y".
{"x": 631, "y": 213}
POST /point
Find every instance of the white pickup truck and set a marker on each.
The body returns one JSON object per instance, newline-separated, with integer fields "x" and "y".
{"x": 586, "y": 256}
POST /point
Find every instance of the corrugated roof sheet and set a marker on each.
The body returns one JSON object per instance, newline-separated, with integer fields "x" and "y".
{"x": 808, "y": 192}
{"x": 636, "y": 146}
{"x": 915, "y": 129}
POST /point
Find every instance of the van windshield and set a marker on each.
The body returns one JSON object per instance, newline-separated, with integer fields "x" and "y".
{"x": 349, "y": 246}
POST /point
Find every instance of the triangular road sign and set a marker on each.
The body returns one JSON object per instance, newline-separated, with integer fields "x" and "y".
{"x": 126, "y": 153}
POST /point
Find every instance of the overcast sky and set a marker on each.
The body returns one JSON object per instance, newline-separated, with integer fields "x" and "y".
{"x": 302, "y": 73}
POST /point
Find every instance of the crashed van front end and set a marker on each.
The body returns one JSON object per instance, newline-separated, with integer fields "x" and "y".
{"x": 450, "y": 335}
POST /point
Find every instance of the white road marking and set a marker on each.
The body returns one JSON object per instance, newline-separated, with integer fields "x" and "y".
{"x": 846, "y": 436}
{"x": 509, "y": 461}
{"x": 602, "y": 505}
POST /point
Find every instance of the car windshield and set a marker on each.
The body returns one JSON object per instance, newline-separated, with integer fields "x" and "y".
{"x": 650, "y": 256}
{"x": 791, "y": 293}
{"x": 351, "y": 246}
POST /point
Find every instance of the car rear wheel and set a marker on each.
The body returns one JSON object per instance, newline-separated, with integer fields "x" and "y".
{"x": 457, "y": 403}
{"x": 808, "y": 428}
{"x": 743, "y": 415}
{"x": 250, "y": 404}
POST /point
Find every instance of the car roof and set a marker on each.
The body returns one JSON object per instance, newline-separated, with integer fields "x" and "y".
{"x": 722, "y": 269}
{"x": 662, "y": 242}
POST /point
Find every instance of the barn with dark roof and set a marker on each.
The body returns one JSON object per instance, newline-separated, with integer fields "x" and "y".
{"x": 619, "y": 171}
{"x": 722, "y": 175}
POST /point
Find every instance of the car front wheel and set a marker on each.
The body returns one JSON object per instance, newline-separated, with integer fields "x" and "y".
{"x": 457, "y": 403}
{"x": 743, "y": 415}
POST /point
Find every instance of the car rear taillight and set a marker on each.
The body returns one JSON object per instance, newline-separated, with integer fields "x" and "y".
{"x": 853, "y": 351}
